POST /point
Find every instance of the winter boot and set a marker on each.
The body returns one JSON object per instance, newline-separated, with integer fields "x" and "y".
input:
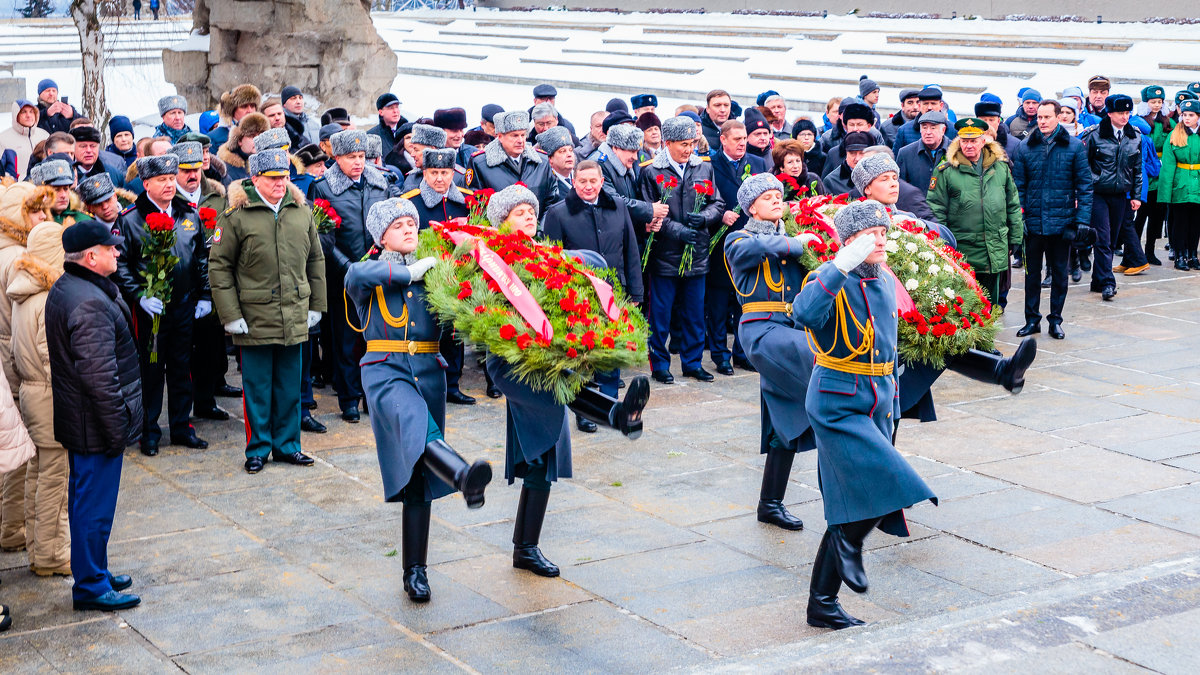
{"x": 624, "y": 416}
{"x": 776, "y": 472}
{"x": 452, "y": 469}
{"x": 415, "y": 543}
{"x": 531, "y": 511}
{"x": 994, "y": 368}
{"x": 824, "y": 610}
{"x": 845, "y": 544}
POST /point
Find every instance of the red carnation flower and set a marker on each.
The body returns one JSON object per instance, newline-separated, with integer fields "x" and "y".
{"x": 571, "y": 353}
{"x": 508, "y": 331}
{"x": 464, "y": 290}
{"x": 523, "y": 341}
{"x": 608, "y": 343}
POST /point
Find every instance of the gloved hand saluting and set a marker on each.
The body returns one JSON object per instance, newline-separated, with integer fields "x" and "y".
{"x": 237, "y": 327}
{"x": 419, "y": 268}
{"x": 853, "y": 254}
{"x": 152, "y": 306}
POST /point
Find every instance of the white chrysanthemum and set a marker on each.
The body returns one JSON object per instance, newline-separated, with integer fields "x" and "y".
{"x": 949, "y": 293}
{"x": 891, "y": 246}
{"x": 926, "y": 255}
{"x": 913, "y": 267}
{"x": 934, "y": 270}
{"x": 911, "y": 285}
{"x": 910, "y": 247}
{"x": 895, "y": 234}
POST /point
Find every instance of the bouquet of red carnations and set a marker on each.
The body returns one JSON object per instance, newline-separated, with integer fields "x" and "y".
{"x": 157, "y": 251}
{"x": 324, "y": 215}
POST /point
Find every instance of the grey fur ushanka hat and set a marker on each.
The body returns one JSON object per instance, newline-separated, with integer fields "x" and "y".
{"x": 271, "y": 139}
{"x": 871, "y": 167}
{"x": 858, "y": 216}
{"x": 383, "y": 213}
{"x": 625, "y": 137}
{"x": 512, "y": 120}
{"x": 438, "y": 158}
{"x": 503, "y": 202}
{"x": 169, "y": 103}
{"x": 348, "y": 141}
{"x": 159, "y": 165}
{"x": 554, "y": 138}
{"x": 753, "y": 187}
{"x": 427, "y": 134}
{"x": 678, "y": 128}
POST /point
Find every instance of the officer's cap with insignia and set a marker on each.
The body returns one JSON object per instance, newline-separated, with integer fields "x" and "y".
{"x": 970, "y": 127}
{"x": 1118, "y": 103}
{"x": 271, "y": 139}
{"x": 169, "y": 103}
{"x": 1152, "y": 92}
{"x": 511, "y": 120}
{"x": 438, "y": 158}
{"x": 625, "y": 137}
{"x": 643, "y": 101}
{"x": 96, "y": 189}
{"x": 385, "y": 212}
{"x": 754, "y": 187}
{"x": 162, "y": 165}
{"x": 553, "y": 139}
{"x": 348, "y": 141}
{"x": 273, "y": 163}
{"x": 374, "y": 146}
{"x": 678, "y": 128}
{"x": 196, "y": 137}
{"x": 52, "y": 172}
{"x": 191, "y": 154}
{"x": 427, "y": 134}
{"x": 1190, "y": 105}
{"x": 858, "y": 216}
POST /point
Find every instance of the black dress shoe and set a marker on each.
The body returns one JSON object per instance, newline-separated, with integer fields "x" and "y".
{"x": 120, "y": 582}
{"x": 149, "y": 448}
{"x": 110, "y": 602}
{"x": 228, "y": 391}
{"x": 1076, "y": 274}
{"x": 699, "y": 374}
{"x": 1152, "y": 259}
{"x": 1109, "y": 293}
{"x": 1085, "y": 264}
{"x": 254, "y": 464}
{"x": 494, "y": 392}
{"x": 190, "y": 441}
{"x": 744, "y": 363}
{"x": 318, "y": 382}
{"x": 350, "y": 413}
{"x": 213, "y": 413}
{"x": 585, "y": 425}
{"x": 456, "y": 396}
{"x": 1046, "y": 282}
{"x": 1194, "y": 263}
{"x": 1181, "y": 264}
{"x": 663, "y": 376}
{"x": 529, "y": 557}
{"x": 725, "y": 368}
{"x": 1030, "y": 328}
{"x": 772, "y": 512}
{"x": 620, "y": 383}
{"x": 297, "y": 458}
{"x": 310, "y": 405}
{"x": 1056, "y": 331}
{"x": 310, "y": 424}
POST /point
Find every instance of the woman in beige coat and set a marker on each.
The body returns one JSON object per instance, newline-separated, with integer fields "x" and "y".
{"x": 46, "y": 475}
{"x": 15, "y": 450}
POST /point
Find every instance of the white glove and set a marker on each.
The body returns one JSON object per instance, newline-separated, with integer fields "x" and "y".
{"x": 203, "y": 308}
{"x": 419, "y": 268}
{"x": 853, "y": 254}
{"x": 152, "y": 306}
{"x": 313, "y": 318}
{"x": 237, "y": 327}
{"x": 806, "y": 238}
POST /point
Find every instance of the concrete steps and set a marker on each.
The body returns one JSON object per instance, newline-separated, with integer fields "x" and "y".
{"x": 1011, "y": 43}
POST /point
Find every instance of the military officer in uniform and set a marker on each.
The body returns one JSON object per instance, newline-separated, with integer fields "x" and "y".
{"x": 509, "y": 159}
{"x": 58, "y": 174}
{"x": 268, "y": 278}
{"x": 402, "y": 378}
{"x": 190, "y": 300}
{"x": 438, "y": 199}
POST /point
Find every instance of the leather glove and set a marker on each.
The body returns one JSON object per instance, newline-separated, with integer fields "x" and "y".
{"x": 805, "y": 238}
{"x": 694, "y": 220}
{"x": 1068, "y": 234}
{"x": 853, "y": 254}
{"x": 151, "y": 306}
{"x": 237, "y": 327}
{"x": 313, "y": 318}
{"x": 695, "y": 237}
{"x": 203, "y": 308}
{"x": 419, "y": 268}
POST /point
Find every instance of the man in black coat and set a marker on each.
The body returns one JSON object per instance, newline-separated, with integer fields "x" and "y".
{"x": 390, "y": 121}
{"x": 838, "y": 180}
{"x": 510, "y": 159}
{"x": 590, "y": 219}
{"x": 190, "y": 299}
{"x": 95, "y": 379}
{"x": 351, "y": 187}
{"x": 917, "y": 159}
{"x": 730, "y": 166}
{"x": 617, "y": 157}
{"x": 718, "y": 108}
{"x": 1055, "y": 184}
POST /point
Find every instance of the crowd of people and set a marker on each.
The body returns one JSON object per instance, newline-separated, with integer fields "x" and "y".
{"x": 97, "y": 318}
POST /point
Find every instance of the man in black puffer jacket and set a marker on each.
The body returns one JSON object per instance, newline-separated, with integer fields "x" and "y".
{"x": 1054, "y": 181}
{"x": 96, "y": 381}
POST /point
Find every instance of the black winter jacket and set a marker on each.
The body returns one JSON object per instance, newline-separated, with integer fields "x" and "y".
{"x": 385, "y": 133}
{"x": 94, "y": 371}
{"x": 621, "y": 184}
{"x": 351, "y": 200}
{"x": 1054, "y": 181}
{"x": 606, "y": 229}
{"x": 1116, "y": 167}
{"x": 491, "y": 168}
{"x": 668, "y": 245}
{"x": 189, "y": 278}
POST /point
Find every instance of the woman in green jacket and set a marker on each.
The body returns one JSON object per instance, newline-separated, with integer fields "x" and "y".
{"x": 1150, "y": 217}
{"x": 1179, "y": 185}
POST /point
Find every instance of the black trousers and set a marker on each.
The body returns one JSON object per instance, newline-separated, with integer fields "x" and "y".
{"x": 344, "y": 352}
{"x": 719, "y": 303}
{"x": 173, "y": 366}
{"x": 452, "y": 350}
{"x": 1057, "y": 253}
{"x": 209, "y": 361}
{"x": 1150, "y": 219}
{"x": 1185, "y": 229}
{"x": 1113, "y": 229}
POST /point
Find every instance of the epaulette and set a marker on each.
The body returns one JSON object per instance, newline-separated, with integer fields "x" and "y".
{"x": 646, "y": 163}
{"x": 464, "y": 190}
{"x": 602, "y": 157}
{"x": 459, "y": 168}
{"x": 478, "y": 153}
{"x": 941, "y": 165}
{"x": 541, "y": 151}
{"x": 229, "y": 210}
{"x": 706, "y": 158}
{"x": 127, "y": 209}
{"x": 411, "y": 193}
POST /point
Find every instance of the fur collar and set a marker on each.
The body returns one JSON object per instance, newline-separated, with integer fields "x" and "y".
{"x": 339, "y": 182}
{"x": 432, "y": 198}
{"x": 495, "y": 155}
{"x": 609, "y": 157}
{"x": 38, "y": 277}
{"x": 210, "y": 186}
{"x": 756, "y": 226}
{"x": 397, "y": 257}
{"x": 663, "y": 160}
{"x": 238, "y": 196}
{"x": 17, "y": 232}
{"x": 992, "y": 152}
{"x": 131, "y": 173}
{"x": 1106, "y": 130}
{"x": 125, "y": 197}
{"x": 231, "y": 157}
{"x": 575, "y": 204}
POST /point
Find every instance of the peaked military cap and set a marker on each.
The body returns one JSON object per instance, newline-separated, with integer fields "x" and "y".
{"x": 53, "y": 172}
{"x": 191, "y": 153}
{"x": 970, "y": 127}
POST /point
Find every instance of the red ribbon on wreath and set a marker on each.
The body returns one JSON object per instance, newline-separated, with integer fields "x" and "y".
{"x": 511, "y": 286}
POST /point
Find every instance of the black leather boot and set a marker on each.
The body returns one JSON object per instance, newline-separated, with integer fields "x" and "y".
{"x": 624, "y": 416}
{"x": 824, "y": 610}
{"x": 531, "y": 511}
{"x": 995, "y": 368}
{"x": 452, "y": 469}
{"x": 415, "y": 542}
{"x": 845, "y": 543}
{"x": 774, "y": 485}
